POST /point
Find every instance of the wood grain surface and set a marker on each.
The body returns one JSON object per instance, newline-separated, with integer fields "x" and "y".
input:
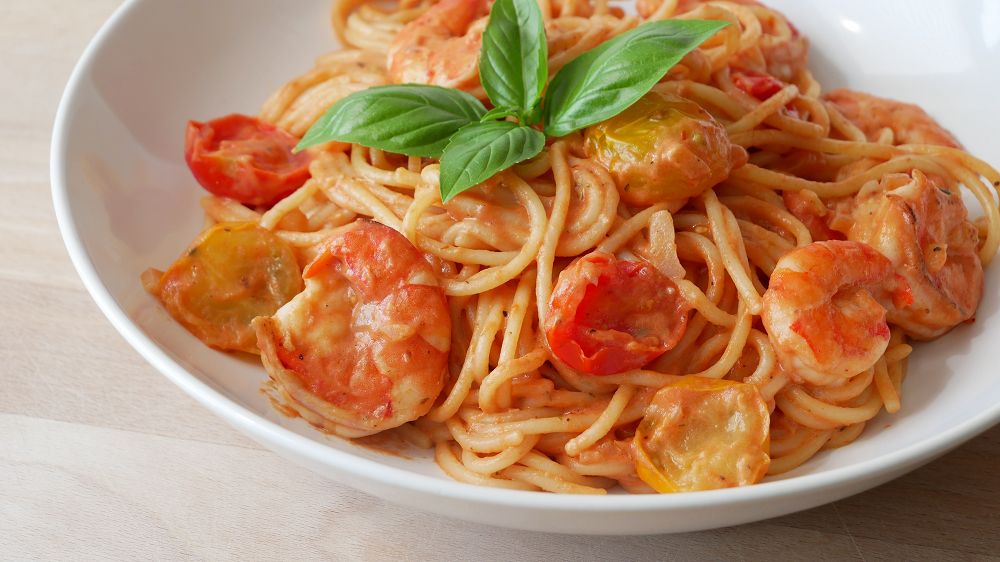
{"x": 103, "y": 458}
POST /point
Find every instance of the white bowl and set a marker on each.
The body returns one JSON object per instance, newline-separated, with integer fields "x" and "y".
{"x": 126, "y": 201}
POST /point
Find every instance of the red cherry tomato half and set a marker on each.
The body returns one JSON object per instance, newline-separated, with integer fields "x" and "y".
{"x": 608, "y": 315}
{"x": 245, "y": 159}
{"x": 756, "y": 84}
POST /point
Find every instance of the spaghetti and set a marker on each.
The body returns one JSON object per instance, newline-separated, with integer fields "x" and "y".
{"x": 513, "y": 414}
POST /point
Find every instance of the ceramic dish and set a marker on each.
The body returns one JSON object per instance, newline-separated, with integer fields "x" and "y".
{"x": 125, "y": 201}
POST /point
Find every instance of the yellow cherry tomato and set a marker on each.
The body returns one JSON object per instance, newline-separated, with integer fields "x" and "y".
{"x": 663, "y": 148}
{"x": 231, "y": 274}
{"x": 703, "y": 434}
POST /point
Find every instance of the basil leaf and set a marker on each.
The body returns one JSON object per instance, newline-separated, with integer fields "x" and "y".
{"x": 497, "y": 113}
{"x": 605, "y": 80}
{"x": 411, "y": 119}
{"x": 479, "y": 151}
{"x": 513, "y": 62}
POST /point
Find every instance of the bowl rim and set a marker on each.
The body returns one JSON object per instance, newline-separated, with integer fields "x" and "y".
{"x": 367, "y": 469}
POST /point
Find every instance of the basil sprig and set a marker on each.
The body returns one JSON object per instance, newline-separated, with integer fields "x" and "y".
{"x": 474, "y": 144}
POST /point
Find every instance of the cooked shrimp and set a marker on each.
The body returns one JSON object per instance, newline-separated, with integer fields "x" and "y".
{"x": 821, "y": 313}
{"x": 924, "y": 231}
{"x": 440, "y": 47}
{"x": 910, "y": 124}
{"x": 365, "y": 347}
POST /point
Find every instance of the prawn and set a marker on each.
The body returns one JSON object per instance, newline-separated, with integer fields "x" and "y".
{"x": 821, "y": 312}
{"x": 925, "y": 233}
{"x": 909, "y": 123}
{"x": 365, "y": 346}
{"x": 441, "y": 47}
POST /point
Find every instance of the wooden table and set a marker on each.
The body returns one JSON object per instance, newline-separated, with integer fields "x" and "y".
{"x": 101, "y": 457}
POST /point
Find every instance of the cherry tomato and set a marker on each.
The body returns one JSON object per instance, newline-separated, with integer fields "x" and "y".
{"x": 245, "y": 159}
{"x": 759, "y": 85}
{"x": 810, "y": 209}
{"x": 608, "y": 315}
{"x": 663, "y": 148}
{"x": 231, "y": 274}
{"x": 703, "y": 434}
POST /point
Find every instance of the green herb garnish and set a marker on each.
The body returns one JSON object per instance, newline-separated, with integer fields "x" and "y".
{"x": 474, "y": 144}
{"x": 411, "y": 119}
{"x": 479, "y": 151}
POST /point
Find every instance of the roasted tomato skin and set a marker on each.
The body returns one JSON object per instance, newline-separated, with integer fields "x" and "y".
{"x": 810, "y": 209}
{"x": 245, "y": 159}
{"x": 703, "y": 434}
{"x": 663, "y": 148}
{"x": 232, "y": 273}
{"x": 608, "y": 315}
{"x": 757, "y": 84}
